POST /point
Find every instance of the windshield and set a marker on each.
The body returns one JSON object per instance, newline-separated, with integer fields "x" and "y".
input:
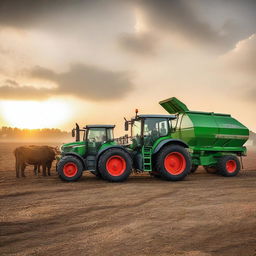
{"x": 155, "y": 128}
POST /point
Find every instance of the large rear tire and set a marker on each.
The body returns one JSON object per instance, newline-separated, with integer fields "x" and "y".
{"x": 229, "y": 166}
{"x": 115, "y": 165}
{"x": 173, "y": 163}
{"x": 70, "y": 168}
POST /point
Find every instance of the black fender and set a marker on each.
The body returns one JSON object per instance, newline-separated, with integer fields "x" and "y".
{"x": 169, "y": 141}
{"x": 112, "y": 146}
{"x": 77, "y": 156}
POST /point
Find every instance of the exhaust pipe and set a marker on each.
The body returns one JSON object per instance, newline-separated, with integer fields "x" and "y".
{"x": 77, "y": 132}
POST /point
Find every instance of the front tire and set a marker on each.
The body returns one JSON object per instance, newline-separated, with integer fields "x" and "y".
{"x": 115, "y": 165}
{"x": 70, "y": 168}
{"x": 173, "y": 163}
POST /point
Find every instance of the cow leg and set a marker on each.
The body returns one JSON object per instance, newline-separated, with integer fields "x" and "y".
{"x": 44, "y": 169}
{"x": 35, "y": 169}
{"x": 39, "y": 168}
{"x": 23, "y": 166}
{"x": 49, "y": 168}
{"x": 17, "y": 166}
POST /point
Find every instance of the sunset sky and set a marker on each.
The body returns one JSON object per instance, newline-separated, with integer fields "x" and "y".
{"x": 96, "y": 61}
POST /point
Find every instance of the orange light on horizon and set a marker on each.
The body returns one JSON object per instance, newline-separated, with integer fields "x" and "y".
{"x": 35, "y": 114}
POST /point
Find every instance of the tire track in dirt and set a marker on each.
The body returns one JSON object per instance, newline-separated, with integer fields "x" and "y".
{"x": 12, "y": 228}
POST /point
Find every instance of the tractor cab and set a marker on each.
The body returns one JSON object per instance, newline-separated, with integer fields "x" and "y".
{"x": 93, "y": 137}
{"x": 147, "y": 129}
{"x": 97, "y": 135}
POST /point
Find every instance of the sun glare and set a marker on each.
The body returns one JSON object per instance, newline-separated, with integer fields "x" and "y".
{"x": 33, "y": 114}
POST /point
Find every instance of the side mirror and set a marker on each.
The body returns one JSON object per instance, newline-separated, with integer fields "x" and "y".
{"x": 126, "y": 126}
{"x": 73, "y": 133}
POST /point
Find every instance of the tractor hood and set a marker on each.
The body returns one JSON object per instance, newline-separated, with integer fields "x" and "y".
{"x": 173, "y": 106}
{"x": 69, "y": 147}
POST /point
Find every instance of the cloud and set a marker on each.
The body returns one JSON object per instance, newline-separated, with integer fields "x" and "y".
{"x": 204, "y": 22}
{"x": 219, "y": 23}
{"x": 29, "y": 13}
{"x": 178, "y": 17}
{"x": 251, "y": 94}
{"x": 138, "y": 43}
{"x": 243, "y": 57}
{"x": 59, "y": 15}
{"x": 239, "y": 64}
{"x": 13, "y": 90}
{"x": 83, "y": 81}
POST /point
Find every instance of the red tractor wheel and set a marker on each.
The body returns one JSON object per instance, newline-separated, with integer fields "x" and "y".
{"x": 229, "y": 166}
{"x": 115, "y": 165}
{"x": 70, "y": 168}
{"x": 173, "y": 162}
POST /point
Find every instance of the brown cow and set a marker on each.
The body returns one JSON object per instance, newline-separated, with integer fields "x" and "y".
{"x": 34, "y": 155}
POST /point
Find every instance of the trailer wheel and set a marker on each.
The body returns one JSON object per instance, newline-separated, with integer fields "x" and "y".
{"x": 194, "y": 168}
{"x": 229, "y": 166}
{"x": 115, "y": 165}
{"x": 211, "y": 169}
{"x": 173, "y": 162}
{"x": 70, "y": 168}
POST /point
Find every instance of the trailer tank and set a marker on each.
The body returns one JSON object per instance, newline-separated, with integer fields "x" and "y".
{"x": 206, "y": 130}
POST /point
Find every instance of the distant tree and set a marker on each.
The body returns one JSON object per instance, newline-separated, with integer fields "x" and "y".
{"x": 9, "y": 133}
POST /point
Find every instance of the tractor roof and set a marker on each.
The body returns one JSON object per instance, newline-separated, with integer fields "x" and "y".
{"x": 157, "y": 116}
{"x": 99, "y": 126}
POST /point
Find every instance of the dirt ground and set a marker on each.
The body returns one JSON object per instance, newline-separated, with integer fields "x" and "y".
{"x": 203, "y": 215}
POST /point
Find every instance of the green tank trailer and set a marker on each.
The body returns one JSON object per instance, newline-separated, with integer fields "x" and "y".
{"x": 168, "y": 146}
{"x": 215, "y": 140}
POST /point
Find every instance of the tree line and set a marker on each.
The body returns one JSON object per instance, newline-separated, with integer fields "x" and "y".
{"x": 10, "y": 133}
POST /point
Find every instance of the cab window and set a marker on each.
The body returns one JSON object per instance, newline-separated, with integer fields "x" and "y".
{"x": 97, "y": 135}
{"x": 110, "y": 135}
{"x": 155, "y": 128}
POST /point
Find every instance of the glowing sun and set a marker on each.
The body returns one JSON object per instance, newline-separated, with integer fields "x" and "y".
{"x": 35, "y": 114}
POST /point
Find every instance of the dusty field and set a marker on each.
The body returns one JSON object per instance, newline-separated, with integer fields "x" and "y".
{"x": 202, "y": 215}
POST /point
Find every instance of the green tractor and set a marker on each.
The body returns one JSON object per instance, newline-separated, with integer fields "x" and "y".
{"x": 154, "y": 150}
{"x": 172, "y": 146}
{"x": 96, "y": 152}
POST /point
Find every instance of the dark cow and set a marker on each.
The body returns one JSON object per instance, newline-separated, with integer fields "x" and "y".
{"x": 34, "y": 155}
